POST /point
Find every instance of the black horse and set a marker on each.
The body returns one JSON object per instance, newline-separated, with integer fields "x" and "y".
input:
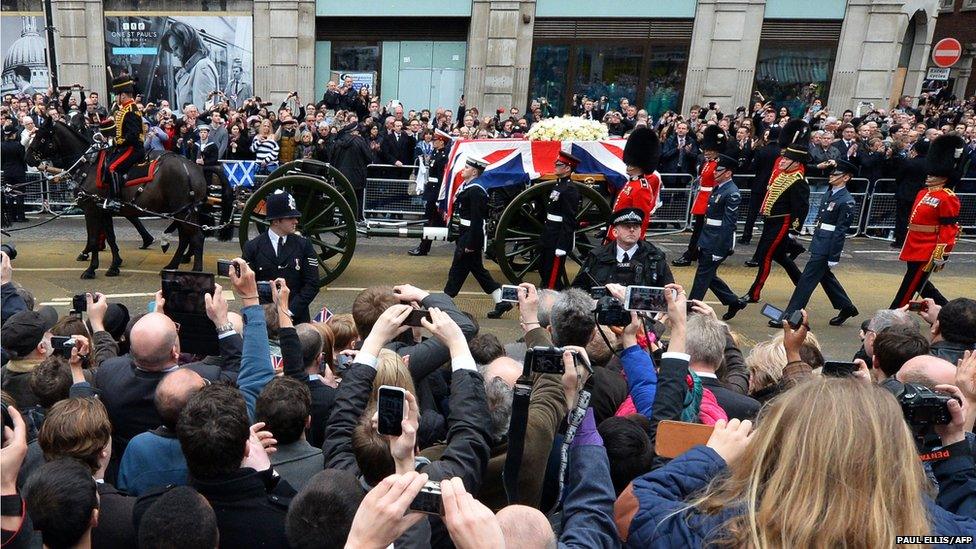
{"x": 176, "y": 190}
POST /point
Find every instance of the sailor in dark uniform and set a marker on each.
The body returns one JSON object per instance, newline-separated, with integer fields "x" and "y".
{"x": 208, "y": 157}
{"x": 438, "y": 161}
{"x": 717, "y": 239}
{"x": 470, "y": 211}
{"x": 837, "y": 212}
{"x": 281, "y": 253}
{"x": 559, "y": 234}
{"x": 628, "y": 260}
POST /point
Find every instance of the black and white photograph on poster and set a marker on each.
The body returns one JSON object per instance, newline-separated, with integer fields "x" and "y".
{"x": 183, "y": 59}
{"x": 25, "y": 69}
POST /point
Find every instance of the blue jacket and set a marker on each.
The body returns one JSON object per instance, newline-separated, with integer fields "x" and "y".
{"x": 836, "y": 214}
{"x": 588, "y": 505}
{"x": 641, "y": 378}
{"x": 718, "y": 233}
{"x": 151, "y": 460}
{"x": 652, "y": 511}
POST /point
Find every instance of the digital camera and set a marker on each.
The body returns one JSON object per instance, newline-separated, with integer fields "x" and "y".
{"x": 922, "y": 406}
{"x": 610, "y": 312}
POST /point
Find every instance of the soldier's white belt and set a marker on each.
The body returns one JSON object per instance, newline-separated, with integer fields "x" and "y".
{"x": 554, "y": 217}
{"x": 826, "y": 227}
{"x": 464, "y": 222}
{"x": 713, "y": 222}
{"x": 705, "y": 189}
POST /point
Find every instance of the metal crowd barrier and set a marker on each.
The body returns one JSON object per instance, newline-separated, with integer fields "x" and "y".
{"x": 40, "y": 195}
{"x": 880, "y": 210}
{"x": 391, "y": 191}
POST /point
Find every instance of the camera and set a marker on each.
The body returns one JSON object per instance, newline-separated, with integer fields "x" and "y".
{"x": 599, "y": 292}
{"x": 10, "y": 250}
{"x": 224, "y": 266}
{"x": 545, "y": 360}
{"x": 265, "y": 294}
{"x": 922, "y": 406}
{"x": 429, "y": 500}
{"x": 62, "y": 346}
{"x": 610, "y": 312}
{"x": 510, "y": 293}
{"x": 795, "y": 319}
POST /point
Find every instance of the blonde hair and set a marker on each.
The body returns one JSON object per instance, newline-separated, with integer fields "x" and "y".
{"x": 390, "y": 370}
{"x": 767, "y": 360}
{"x": 832, "y": 464}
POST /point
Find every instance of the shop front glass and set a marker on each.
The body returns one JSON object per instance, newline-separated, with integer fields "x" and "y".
{"x": 611, "y": 72}
{"x": 548, "y": 81}
{"x": 355, "y": 56}
{"x": 792, "y": 76}
{"x": 665, "y": 79}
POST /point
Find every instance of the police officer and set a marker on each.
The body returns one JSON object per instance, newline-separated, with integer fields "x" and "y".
{"x": 837, "y": 212}
{"x": 714, "y": 141}
{"x": 934, "y": 222}
{"x": 438, "y": 161}
{"x": 559, "y": 233}
{"x": 717, "y": 239}
{"x": 128, "y": 148}
{"x": 281, "y": 253}
{"x": 470, "y": 210}
{"x": 784, "y": 208}
{"x": 641, "y": 155}
{"x": 629, "y": 260}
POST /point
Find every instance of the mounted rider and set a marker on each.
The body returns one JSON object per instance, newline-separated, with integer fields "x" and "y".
{"x": 127, "y": 149}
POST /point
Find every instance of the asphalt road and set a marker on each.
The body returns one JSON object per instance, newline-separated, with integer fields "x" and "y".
{"x": 869, "y": 269}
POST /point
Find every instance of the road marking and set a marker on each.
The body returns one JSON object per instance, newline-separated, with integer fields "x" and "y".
{"x": 52, "y": 269}
{"x": 228, "y": 295}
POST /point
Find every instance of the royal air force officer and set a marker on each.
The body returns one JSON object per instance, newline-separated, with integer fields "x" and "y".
{"x": 281, "y": 253}
{"x": 837, "y": 212}
{"x": 717, "y": 239}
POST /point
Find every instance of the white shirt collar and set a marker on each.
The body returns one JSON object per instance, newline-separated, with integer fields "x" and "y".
{"x": 621, "y": 252}
{"x": 275, "y": 239}
{"x": 705, "y": 374}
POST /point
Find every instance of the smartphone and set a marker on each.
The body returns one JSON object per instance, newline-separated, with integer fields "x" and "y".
{"x": 428, "y": 499}
{"x": 79, "y": 303}
{"x": 265, "y": 295}
{"x": 62, "y": 345}
{"x": 510, "y": 293}
{"x": 390, "y": 410}
{"x": 645, "y": 298}
{"x": 772, "y": 313}
{"x": 415, "y": 316}
{"x": 918, "y": 306}
{"x": 184, "y": 291}
{"x": 224, "y": 266}
{"x": 836, "y": 368}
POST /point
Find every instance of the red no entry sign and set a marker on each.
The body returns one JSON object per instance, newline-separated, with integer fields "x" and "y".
{"x": 946, "y": 52}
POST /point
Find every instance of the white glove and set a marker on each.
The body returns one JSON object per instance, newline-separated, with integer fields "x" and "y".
{"x": 560, "y": 253}
{"x": 717, "y": 258}
{"x": 832, "y": 264}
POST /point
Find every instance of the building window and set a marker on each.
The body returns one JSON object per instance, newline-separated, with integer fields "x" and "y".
{"x": 611, "y": 72}
{"x": 969, "y": 4}
{"x": 946, "y": 5}
{"x": 548, "y": 81}
{"x": 355, "y": 56}
{"x": 665, "y": 79}
{"x": 792, "y": 76}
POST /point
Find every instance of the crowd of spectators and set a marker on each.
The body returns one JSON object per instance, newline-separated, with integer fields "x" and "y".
{"x": 120, "y": 439}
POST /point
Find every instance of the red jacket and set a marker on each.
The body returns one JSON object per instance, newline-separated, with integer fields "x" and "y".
{"x": 638, "y": 193}
{"x": 705, "y": 185}
{"x": 933, "y": 225}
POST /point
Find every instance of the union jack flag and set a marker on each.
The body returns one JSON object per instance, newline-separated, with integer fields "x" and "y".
{"x": 324, "y": 315}
{"x": 277, "y": 362}
{"x": 519, "y": 161}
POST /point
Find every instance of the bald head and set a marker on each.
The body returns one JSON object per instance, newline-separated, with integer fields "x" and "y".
{"x": 525, "y": 527}
{"x": 505, "y": 368}
{"x": 927, "y": 370}
{"x": 174, "y": 391}
{"x": 154, "y": 342}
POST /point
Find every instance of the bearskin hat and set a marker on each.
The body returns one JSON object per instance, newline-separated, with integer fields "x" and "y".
{"x": 643, "y": 149}
{"x": 945, "y": 156}
{"x": 794, "y": 139}
{"x": 714, "y": 138}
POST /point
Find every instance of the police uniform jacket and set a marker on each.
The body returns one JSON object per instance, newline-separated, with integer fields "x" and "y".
{"x": 438, "y": 161}
{"x": 718, "y": 233}
{"x": 560, "y": 229}
{"x": 299, "y": 266}
{"x": 933, "y": 225}
{"x": 471, "y": 208}
{"x": 647, "y": 267}
{"x": 835, "y": 217}
{"x": 128, "y": 126}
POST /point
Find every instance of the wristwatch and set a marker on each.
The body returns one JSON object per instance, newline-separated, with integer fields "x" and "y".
{"x": 224, "y": 328}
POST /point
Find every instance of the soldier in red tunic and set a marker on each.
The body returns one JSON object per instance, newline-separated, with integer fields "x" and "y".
{"x": 713, "y": 142}
{"x": 641, "y": 155}
{"x": 934, "y": 222}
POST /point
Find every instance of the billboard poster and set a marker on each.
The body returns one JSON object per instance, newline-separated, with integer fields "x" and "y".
{"x": 183, "y": 59}
{"x": 25, "y": 68}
